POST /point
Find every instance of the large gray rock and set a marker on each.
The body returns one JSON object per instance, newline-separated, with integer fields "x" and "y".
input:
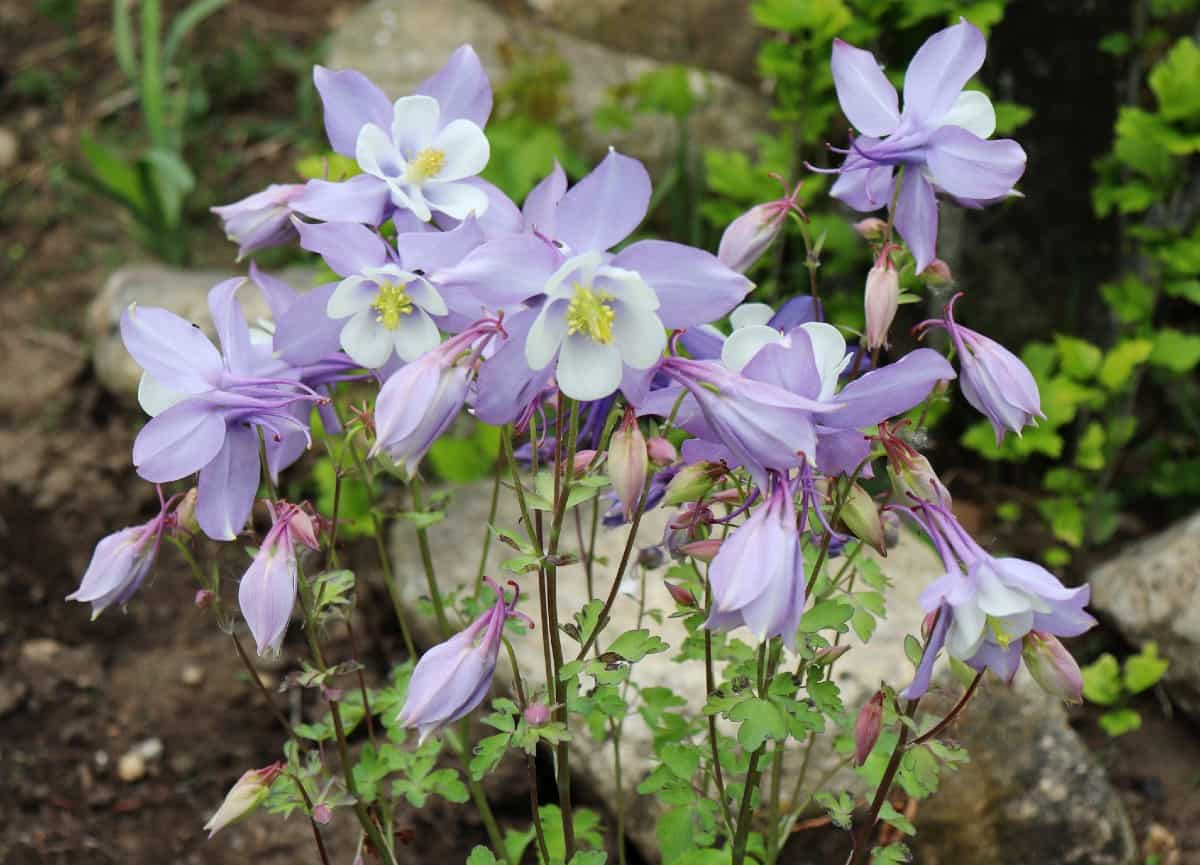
{"x": 1073, "y": 778}
{"x": 399, "y": 43}
{"x": 1149, "y": 591}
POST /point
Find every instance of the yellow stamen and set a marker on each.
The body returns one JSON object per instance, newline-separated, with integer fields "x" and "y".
{"x": 426, "y": 165}
{"x": 590, "y": 313}
{"x": 1002, "y": 637}
{"x": 392, "y": 303}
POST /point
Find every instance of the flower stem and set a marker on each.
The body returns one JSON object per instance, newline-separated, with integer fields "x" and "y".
{"x": 952, "y": 714}
{"x": 439, "y": 605}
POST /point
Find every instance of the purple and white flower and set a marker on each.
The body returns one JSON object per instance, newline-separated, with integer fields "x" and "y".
{"x": 260, "y": 220}
{"x": 268, "y": 588}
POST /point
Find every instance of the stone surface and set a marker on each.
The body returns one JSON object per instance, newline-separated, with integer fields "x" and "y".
{"x": 399, "y": 43}
{"x": 1030, "y": 718}
{"x": 1149, "y": 591}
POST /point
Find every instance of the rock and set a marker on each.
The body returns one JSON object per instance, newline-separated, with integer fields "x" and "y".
{"x": 1149, "y": 592}
{"x": 1032, "y": 793}
{"x": 192, "y": 675}
{"x": 184, "y": 292}
{"x": 131, "y": 767}
{"x": 149, "y": 749}
{"x": 46, "y": 662}
{"x": 10, "y": 148}
{"x": 12, "y": 694}
{"x": 40, "y": 651}
{"x": 399, "y": 43}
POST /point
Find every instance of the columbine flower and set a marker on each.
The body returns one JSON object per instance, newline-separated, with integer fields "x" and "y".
{"x": 207, "y": 406}
{"x": 940, "y": 139}
{"x": 122, "y": 560}
{"x": 268, "y": 588}
{"x": 453, "y": 677}
{"x": 260, "y": 220}
{"x": 757, "y": 575}
{"x": 994, "y": 380}
{"x": 747, "y": 237}
{"x": 986, "y": 606}
{"x": 418, "y": 155}
{"x": 248, "y": 793}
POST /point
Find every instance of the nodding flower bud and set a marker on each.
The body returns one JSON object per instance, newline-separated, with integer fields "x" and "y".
{"x": 690, "y": 484}
{"x": 627, "y": 462}
{"x": 867, "y": 727}
{"x": 881, "y": 300}
{"x": 827, "y": 656}
{"x": 661, "y": 451}
{"x": 749, "y": 236}
{"x": 915, "y": 478}
{"x": 681, "y": 595}
{"x": 185, "y": 514}
{"x": 203, "y": 599}
{"x": 322, "y": 813}
{"x": 861, "y": 517}
{"x": 1052, "y": 666}
{"x": 537, "y": 714}
{"x": 938, "y": 274}
{"x": 871, "y": 228}
{"x": 705, "y": 550}
{"x": 583, "y": 461}
{"x": 260, "y": 220}
{"x": 246, "y": 795}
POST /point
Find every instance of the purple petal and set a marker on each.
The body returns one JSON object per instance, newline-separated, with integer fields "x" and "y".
{"x": 1001, "y": 661}
{"x": 173, "y": 351}
{"x": 538, "y": 214}
{"x": 283, "y": 453}
{"x": 435, "y": 250}
{"x": 115, "y": 566}
{"x": 500, "y": 218}
{"x": 791, "y": 365}
{"x": 305, "y": 334}
{"x": 351, "y": 101}
{"x": 966, "y": 165}
{"x": 692, "y": 285}
{"x": 606, "y": 206}
{"x": 230, "y": 322}
{"x": 278, "y": 294}
{"x": 179, "y": 441}
{"x": 797, "y": 311}
{"x": 502, "y": 272}
{"x": 917, "y": 218}
{"x": 861, "y": 187}
{"x": 506, "y": 383}
{"x": 362, "y": 198}
{"x": 889, "y": 390}
{"x": 868, "y": 99}
{"x": 702, "y": 343}
{"x": 939, "y": 70}
{"x": 937, "y": 639}
{"x": 461, "y": 88}
{"x": 841, "y": 451}
{"x": 227, "y": 485}
{"x": 266, "y": 596}
{"x": 347, "y": 247}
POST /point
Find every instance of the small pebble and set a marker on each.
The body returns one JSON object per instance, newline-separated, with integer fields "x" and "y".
{"x": 100, "y": 758}
{"x": 9, "y": 148}
{"x": 149, "y": 749}
{"x": 192, "y": 675}
{"x": 131, "y": 767}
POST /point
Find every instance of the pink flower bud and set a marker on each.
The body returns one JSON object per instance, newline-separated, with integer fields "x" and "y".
{"x": 867, "y": 727}
{"x": 627, "y": 462}
{"x": 881, "y": 300}
{"x": 204, "y": 599}
{"x": 1052, "y": 666}
{"x": 322, "y": 813}
{"x": 246, "y": 795}
{"x": 861, "y": 517}
{"x": 938, "y": 274}
{"x": 748, "y": 236}
{"x": 681, "y": 595}
{"x": 185, "y": 514}
{"x": 927, "y": 624}
{"x": 537, "y": 714}
{"x": 583, "y": 459}
{"x": 871, "y": 228}
{"x": 705, "y": 550}
{"x": 661, "y": 451}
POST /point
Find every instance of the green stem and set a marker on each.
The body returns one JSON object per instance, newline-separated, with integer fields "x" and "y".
{"x": 439, "y": 605}
{"x": 487, "y": 530}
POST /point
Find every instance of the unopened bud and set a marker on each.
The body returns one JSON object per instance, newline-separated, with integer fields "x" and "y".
{"x": 828, "y": 655}
{"x": 861, "y": 517}
{"x": 661, "y": 451}
{"x": 322, "y": 813}
{"x": 583, "y": 459}
{"x": 927, "y": 624}
{"x": 681, "y": 595}
{"x": 185, "y": 514}
{"x": 881, "y": 300}
{"x": 537, "y": 714}
{"x": 705, "y": 550}
{"x": 204, "y": 598}
{"x": 747, "y": 237}
{"x": 627, "y": 462}
{"x": 914, "y": 478}
{"x": 938, "y": 274}
{"x": 1052, "y": 666}
{"x": 651, "y": 558}
{"x": 246, "y": 795}
{"x": 871, "y": 228}
{"x": 689, "y": 484}
{"x": 867, "y": 727}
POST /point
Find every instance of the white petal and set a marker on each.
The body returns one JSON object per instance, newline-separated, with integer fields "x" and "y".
{"x": 376, "y": 154}
{"x": 155, "y": 397}
{"x": 582, "y": 267}
{"x": 366, "y": 341}
{"x": 749, "y": 314}
{"x": 966, "y": 631}
{"x": 410, "y": 198}
{"x": 638, "y": 335}
{"x": 353, "y": 295}
{"x": 588, "y": 370}
{"x": 627, "y": 286}
{"x": 972, "y": 111}
{"x": 745, "y": 342}
{"x": 546, "y": 334}
{"x": 997, "y": 599}
{"x": 425, "y": 296}
{"x": 829, "y": 352}
{"x": 415, "y": 334}
{"x": 456, "y": 200}
{"x": 414, "y": 123}
{"x": 466, "y": 150}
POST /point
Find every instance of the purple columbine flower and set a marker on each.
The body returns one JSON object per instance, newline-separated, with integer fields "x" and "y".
{"x": 758, "y": 573}
{"x": 986, "y": 606}
{"x": 207, "y": 406}
{"x": 260, "y": 220}
{"x": 122, "y": 560}
{"x": 940, "y": 139}
{"x": 453, "y": 677}
{"x": 268, "y": 588}
{"x": 418, "y": 155}
{"x": 994, "y": 380}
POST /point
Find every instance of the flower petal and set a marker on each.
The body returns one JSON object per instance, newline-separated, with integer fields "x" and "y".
{"x": 861, "y": 187}
{"x": 171, "y": 349}
{"x": 506, "y": 382}
{"x": 502, "y": 272}
{"x": 604, "y": 207}
{"x": 466, "y": 150}
{"x": 890, "y": 390}
{"x": 366, "y": 341}
{"x": 966, "y": 165}
{"x": 155, "y": 397}
{"x": 458, "y": 199}
{"x": 867, "y": 98}
{"x": 587, "y": 370}
{"x": 741, "y": 347}
{"x": 693, "y": 286}
{"x": 461, "y": 88}
{"x": 414, "y": 125}
{"x": 748, "y": 314}
{"x": 181, "y": 440}
{"x": 917, "y": 218}
{"x": 435, "y": 250}
{"x": 939, "y": 70}
{"x": 638, "y": 335}
{"x": 230, "y": 323}
{"x": 266, "y": 596}
{"x": 546, "y": 334}
{"x": 306, "y": 333}
{"x": 541, "y": 203}
{"x": 362, "y": 198}
{"x": 973, "y": 111}
{"x": 415, "y": 334}
{"x": 347, "y": 247}
{"x": 351, "y": 101}
{"x": 377, "y": 154}
{"x": 352, "y": 295}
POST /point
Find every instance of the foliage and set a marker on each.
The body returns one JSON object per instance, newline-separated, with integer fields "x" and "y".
{"x": 1108, "y": 683}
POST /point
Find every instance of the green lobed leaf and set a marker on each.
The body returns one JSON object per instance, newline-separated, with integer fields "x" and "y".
{"x": 1120, "y": 721}
{"x": 1102, "y": 681}
{"x": 1145, "y": 669}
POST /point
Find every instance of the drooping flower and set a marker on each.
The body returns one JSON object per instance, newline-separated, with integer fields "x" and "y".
{"x": 248, "y": 793}
{"x": 260, "y": 220}
{"x": 207, "y": 406}
{"x": 940, "y": 139}
{"x": 985, "y": 606}
{"x": 994, "y": 380}
{"x": 267, "y": 591}
{"x": 748, "y": 237}
{"x": 122, "y": 560}
{"x": 453, "y": 677}
{"x": 757, "y": 575}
